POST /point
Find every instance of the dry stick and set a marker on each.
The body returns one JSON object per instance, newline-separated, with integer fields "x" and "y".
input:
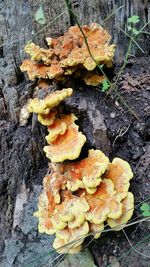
{"x": 130, "y": 250}
{"x": 129, "y": 47}
{"x": 104, "y": 231}
{"x": 75, "y": 241}
{"x": 131, "y": 38}
{"x": 113, "y": 12}
{"x": 138, "y": 252}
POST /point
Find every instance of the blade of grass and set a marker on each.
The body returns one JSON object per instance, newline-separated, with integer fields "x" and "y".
{"x": 113, "y": 12}
{"x": 138, "y": 252}
{"x": 131, "y": 38}
{"x": 147, "y": 238}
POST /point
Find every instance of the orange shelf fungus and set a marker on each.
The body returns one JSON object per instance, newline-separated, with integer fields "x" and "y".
{"x": 43, "y": 106}
{"x": 128, "y": 208}
{"x": 46, "y": 207}
{"x": 34, "y": 69}
{"x": 77, "y": 197}
{"x": 85, "y": 173}
{"x": 59, "y": 127}
{"x": 66, "y": 146}
{"x": 96, "y": 229}
{"x": 73, "y": 237}
{"x": 71, "y": 212}
{"x": 63, "y": 132}
{"x": 119, "y": 171}
{"x": 54, "y": 182}
{"x": 103, "y": 203}
{"x": 47, "y": 119}
{"x": 67, "y": 214}
{"x": 92, "y": 78}
{"x": 69, "y": 55}
{"x": 39, "y": 54}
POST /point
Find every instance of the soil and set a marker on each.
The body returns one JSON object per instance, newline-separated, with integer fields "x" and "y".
{"x": 109, "y": 126}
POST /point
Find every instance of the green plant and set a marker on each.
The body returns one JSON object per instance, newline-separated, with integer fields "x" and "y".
{"x": 132, "y": 21}
{"x": 105, "y": 86}
{"x": 145, "y": 208}
{"x": 39, "y": 16}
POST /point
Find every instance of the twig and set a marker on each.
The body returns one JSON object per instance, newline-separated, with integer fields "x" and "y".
{"x": 121, "y": 133}
{"x": 131, "y": 38}
{"x": 138, "y": 252}
{"x": 125, "y": 254}
{"x": 113, "y": 12}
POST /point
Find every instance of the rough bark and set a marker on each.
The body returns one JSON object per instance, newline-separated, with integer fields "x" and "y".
{"x": 22, "y": 162}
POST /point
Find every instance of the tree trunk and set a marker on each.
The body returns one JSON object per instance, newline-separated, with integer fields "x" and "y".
{"x": 22, "y": 161}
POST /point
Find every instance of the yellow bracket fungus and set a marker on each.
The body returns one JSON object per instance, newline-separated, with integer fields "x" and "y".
{"x": 66, "y": 146}
{"x": 39, "y": 54}
{"x": 43, "y": 106}
{"x": 59, "y": 127}
{"x": 71, "y": 211}
{"x": 128, "y": 208}
{"x": 85, "y": 173}
{"x": 103, "y": 203}
{"x": 69, "y": 55}
{"x": 75, "y": 236}
{"x": 96, "y": 229}
{"x": 47, "y": 119}
{"x": 119, "y": 171}
{"x": 78, "y": 197}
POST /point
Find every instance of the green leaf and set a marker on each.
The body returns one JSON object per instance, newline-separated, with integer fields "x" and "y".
{"x": 135, "y": 31}
{"x": 134, "y": 19}
{"x": 105, "y": 86}
{"x": 145, "y": 207}
{"x": 129, "y": 28}
{"x": 146, "y": 213}
{"x": 39, "y": 16}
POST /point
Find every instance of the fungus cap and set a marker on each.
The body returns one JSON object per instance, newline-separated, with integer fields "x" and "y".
{"x": 54, "y": 182}
{"x": 64, "y": 147}
{"x": 39, "y": 54}
{"x": 43, "y": 106}
{"x": 119, "y": 171}
{"x": 59, "y": 127}
{"x": 47, "y": 119}
{"x": 103, "y": 203}
{"x": 71, "y": 239}
{"x": 85, "y": 173}
{"x": 96, "y": 229}
{"x": 128, "y": 208}
{"x": 46, "y": 207}
{"x": 71, "y": 211}
{"x": 92, "y": 78}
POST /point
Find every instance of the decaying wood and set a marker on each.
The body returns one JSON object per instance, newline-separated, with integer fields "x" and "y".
{"x": 22, "y": 159}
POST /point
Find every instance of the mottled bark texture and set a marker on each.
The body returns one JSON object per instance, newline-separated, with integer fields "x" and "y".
{"x": 22, "y": 161}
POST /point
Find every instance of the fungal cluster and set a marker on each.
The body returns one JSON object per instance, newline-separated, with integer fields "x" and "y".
{"x": 78, "y": 196}
{"x": 68, "y": 55}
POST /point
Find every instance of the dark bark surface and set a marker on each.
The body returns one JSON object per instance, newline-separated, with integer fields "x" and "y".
{"x": 22, "y": 161}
